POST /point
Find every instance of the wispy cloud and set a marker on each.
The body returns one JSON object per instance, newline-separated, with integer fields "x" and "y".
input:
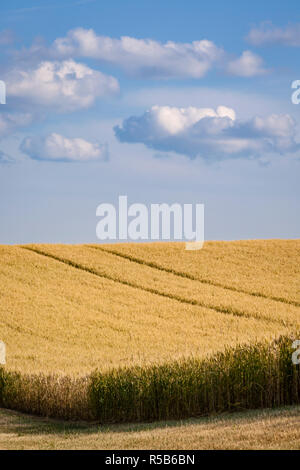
{"x": 5, "y": 158}
{"x": 248, "y": 65}
{"x": 11, "y": 122}
{"x": 267, "y": 33}
{"x": 56, "y": 147}
{"x": 7, "y": 37}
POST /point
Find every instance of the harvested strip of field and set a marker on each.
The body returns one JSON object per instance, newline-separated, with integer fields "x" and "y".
{"x": 263, "y": 429}
{"x": 57, "y": 318}
{"x": 268, "y": 268}
{"x": 169, "y": 285}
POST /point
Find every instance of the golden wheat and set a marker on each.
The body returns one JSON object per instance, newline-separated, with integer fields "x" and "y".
{"x": 267, "y": 268}
{"x": 167, "y": 284}
{"x": 72, "y": 318}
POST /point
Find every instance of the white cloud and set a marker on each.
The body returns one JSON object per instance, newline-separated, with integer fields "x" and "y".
{"x": 56, "y": 147}
{"x": 171, "y": 120}
{"x": 248, "y": 65}
{"x": 267, "y": 33}
{"x": 210, "y": 134}
{"x": 142, "y": 57}
{"x": 64, "y": 86}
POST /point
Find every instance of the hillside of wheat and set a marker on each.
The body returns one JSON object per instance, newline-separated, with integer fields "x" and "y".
{"x": 69, "y": 309}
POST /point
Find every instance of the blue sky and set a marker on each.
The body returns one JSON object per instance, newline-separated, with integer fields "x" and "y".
{"x": 163, "y": 101}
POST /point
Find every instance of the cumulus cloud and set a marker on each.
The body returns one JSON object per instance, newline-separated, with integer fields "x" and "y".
{"x": 64, "y": 86}
{"x": 208, "y": 133}
{"x": 56, "y": 147}
{"x": 143, "y": 57}
{"x": 248, "y": 65}
{"x": 267, "y": 33}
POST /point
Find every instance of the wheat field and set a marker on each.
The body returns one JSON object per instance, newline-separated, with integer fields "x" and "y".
{"x": 69, "y": 309}
{"x": 267, "y": 268}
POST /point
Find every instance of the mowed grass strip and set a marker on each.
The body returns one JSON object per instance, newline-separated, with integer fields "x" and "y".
{"x": 265, "y": 268}
{"x": 55, "y": 318}
{"x": 170, "y": 285}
